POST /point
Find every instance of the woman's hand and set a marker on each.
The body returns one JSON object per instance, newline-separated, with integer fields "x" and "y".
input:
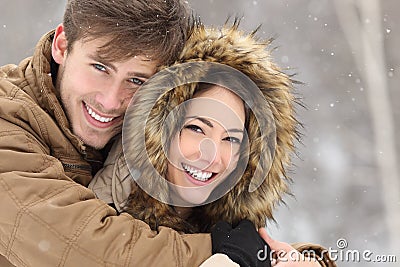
{"x": 285, "y": 255}
{"x": 241, "y": 244}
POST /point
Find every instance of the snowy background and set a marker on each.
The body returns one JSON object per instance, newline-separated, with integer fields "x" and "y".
{"x": 346, "y": 179}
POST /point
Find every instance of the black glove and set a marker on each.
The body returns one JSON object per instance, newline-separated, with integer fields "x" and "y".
{"x": 242, "y": 244}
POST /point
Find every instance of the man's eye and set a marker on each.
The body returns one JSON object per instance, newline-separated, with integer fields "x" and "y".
{"x": 99, "y": 67}
{"x": 136, "y": 81}
{"x": 194, "y": 128}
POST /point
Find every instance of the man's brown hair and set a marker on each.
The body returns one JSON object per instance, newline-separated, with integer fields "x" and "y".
{"x": 153, "y": 28}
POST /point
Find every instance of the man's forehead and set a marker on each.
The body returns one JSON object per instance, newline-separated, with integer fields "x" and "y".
{"x": 102, "y": 50}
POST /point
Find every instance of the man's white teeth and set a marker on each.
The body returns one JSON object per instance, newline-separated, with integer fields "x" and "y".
{"x": 97, "y": 117}
{"x": 197, "y": 174}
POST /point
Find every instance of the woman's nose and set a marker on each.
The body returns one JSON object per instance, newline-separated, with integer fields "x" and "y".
{"x": 210, "y": 151}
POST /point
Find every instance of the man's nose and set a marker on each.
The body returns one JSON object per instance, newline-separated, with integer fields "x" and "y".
{"x": 112, "y": 97}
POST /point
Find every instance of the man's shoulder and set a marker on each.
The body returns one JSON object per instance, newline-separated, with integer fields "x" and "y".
{"x": 12, "y": 78}
{"x": 20, "y": 107}
{"x": 29, "y": 74}
{"x": 4, "y": 70}
{"x": 15, "y": 91}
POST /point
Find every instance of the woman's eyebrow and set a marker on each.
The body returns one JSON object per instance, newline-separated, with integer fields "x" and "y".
{"x": 209, "y": 124}
{"x": 235, "y": 130}
{"x": 203, "y": 120}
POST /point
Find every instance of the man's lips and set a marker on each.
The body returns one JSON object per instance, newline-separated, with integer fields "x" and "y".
{"x": 97, "y": 116}
{"x": 98, "y": 120}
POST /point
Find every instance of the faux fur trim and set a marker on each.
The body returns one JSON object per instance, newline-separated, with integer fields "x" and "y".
{"x": 230, "y": 46}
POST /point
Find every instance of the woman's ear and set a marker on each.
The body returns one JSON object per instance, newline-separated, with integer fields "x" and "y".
{"x": 59, "y": 45}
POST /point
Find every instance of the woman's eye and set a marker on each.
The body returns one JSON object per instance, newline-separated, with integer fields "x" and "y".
{"x": 136, "y": 81}
{"x": 232, "y": 139}
{"x": 194, "y": 128}
{"x": 100, "y": 67}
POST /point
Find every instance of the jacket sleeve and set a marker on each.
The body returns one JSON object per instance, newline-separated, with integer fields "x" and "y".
{"x": 315, "y": 252}
{"x": 49, "y": 220}
{"x": 113, "y": 183}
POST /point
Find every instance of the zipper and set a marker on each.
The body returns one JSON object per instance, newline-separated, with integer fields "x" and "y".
{"x": 76, "y": 167}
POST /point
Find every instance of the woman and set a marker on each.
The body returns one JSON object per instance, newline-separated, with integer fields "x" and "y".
{"x": 229, "y": 167}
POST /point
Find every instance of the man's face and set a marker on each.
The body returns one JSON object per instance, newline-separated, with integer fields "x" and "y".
{"x": 95, "y": 93}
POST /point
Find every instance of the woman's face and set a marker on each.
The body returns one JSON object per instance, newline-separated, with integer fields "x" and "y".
{"x": 206, "y": 150}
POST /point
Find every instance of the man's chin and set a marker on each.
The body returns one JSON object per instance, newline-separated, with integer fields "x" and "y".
{"x": 96, "y": 144}
{"x": 95, "y": 141}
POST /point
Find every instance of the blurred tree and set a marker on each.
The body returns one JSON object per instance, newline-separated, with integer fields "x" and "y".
{"x": 361, "y": 23}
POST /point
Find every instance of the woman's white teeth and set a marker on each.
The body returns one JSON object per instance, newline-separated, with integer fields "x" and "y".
{"x": 97, "y": 117}
{"x": 197, "y": 174}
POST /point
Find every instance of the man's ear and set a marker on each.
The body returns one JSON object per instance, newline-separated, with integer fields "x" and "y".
{"x": 59, "y": 45}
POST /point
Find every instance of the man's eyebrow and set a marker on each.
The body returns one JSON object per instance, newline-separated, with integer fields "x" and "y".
{"x": 112, "y": 66}
{"x": 209, "y": 124}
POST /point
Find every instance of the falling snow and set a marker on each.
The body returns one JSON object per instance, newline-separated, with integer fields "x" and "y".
{"x": 44, "y": 245}
{"x": 391, "y": 73}
{"x": 338, "y": 144}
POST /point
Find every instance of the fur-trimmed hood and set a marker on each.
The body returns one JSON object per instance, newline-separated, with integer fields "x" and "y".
{"x": 244, "y": 52}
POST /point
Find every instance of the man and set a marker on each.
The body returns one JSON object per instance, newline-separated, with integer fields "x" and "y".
{"x": 58, "y": 110}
